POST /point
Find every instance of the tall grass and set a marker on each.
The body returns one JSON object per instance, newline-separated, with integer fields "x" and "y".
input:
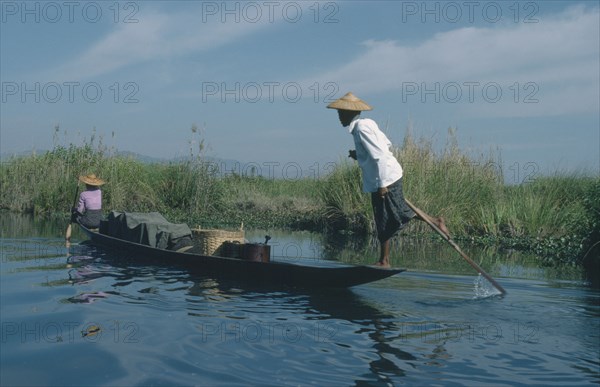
{"x": 346, "y": 207}
{"x": 446, "y": 183}
{"x": 270, "y": 202}
{"x": 189, "y": 190}
{"x": 548, "y": 206}
{"x": 47, "y": 183}
{"x": 554, "y": 215}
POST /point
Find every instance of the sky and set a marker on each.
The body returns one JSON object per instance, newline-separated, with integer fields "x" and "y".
{"x": 518, "y": 79}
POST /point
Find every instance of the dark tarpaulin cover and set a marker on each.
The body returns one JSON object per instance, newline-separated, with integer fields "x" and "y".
{"x": 149, "y": 228}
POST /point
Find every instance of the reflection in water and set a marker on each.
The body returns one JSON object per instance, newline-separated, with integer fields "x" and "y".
{"x": 84, "y": 274}
{"x": 329, "y": 309}
{"x": 432, "y": 254}
{"x": 86, "y": 298}
{"x": 376, "y": 323}
{"x": 416, "y": 328}
{"x": 424, "y": 254}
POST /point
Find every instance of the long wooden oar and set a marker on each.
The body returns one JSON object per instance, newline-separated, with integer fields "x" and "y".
{"x": 446, "y": 237}
{"x": 68, "y": 232}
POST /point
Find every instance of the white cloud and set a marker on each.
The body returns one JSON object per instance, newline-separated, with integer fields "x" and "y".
{"x": 559, "y": 54}
{"x": 157, "y": 36}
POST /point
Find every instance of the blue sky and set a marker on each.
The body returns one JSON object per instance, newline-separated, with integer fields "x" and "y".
{"x": 518, "y": 78}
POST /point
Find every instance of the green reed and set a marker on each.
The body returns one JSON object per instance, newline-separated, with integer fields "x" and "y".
{"x": 447, "y": 183}
{"x": 269, "y": 202}
{"x": 556, "y": 216}
{"x": 46, "y": 183}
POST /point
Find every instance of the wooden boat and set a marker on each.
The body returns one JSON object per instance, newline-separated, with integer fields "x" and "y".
{"x": 321, "y": 274}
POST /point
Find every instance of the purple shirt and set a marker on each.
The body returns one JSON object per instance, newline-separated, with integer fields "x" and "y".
{"x": 90, "y": 200}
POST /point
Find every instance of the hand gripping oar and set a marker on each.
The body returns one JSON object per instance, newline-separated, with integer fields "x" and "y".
{"x": 68, "y": 232}
{"x": 427, "y": 219}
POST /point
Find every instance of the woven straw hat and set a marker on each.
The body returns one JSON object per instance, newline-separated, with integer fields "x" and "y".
{"x": 349, "y": 102}
{"x": 91, "y": 179}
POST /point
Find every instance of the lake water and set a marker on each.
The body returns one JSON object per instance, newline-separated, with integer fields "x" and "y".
{"x": 70, "y": 317}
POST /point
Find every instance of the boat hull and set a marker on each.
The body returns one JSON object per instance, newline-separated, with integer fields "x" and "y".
{"x": 325, "y": 275}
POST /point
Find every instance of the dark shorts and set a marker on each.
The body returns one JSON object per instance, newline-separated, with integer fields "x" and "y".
{"x": 392, "y": 213}
{"x": 90, "y": 219}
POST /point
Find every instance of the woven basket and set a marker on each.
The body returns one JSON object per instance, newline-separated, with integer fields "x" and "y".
{"x": 210, "y": 242}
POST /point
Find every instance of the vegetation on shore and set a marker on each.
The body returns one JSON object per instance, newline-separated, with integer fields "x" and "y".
{"x": 556, "y": 216}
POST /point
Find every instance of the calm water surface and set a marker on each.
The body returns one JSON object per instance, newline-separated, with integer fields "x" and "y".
{"x": 78, "y": 317}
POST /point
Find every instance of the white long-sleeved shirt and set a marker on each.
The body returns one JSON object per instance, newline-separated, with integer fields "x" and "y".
{"x": 377, "y": 162}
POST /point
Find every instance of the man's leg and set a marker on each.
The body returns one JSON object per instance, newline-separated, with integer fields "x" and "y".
{"x": 384, "y": 257}
{"x": 439, "y": 222}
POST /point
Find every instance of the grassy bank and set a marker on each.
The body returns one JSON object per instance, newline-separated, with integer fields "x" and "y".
{"x": 188, "y": 190}
{"x": 558, "y": 216}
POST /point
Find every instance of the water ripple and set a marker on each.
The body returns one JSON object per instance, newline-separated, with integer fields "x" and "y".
{"x": 159, "y": 325}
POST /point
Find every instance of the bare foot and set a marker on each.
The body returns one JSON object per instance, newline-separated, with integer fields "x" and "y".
{"x": 439, "y": 222}
{"x": 383, "y": 264}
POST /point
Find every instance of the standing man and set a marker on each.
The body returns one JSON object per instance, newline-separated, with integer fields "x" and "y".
{"x": 381, "y": 172}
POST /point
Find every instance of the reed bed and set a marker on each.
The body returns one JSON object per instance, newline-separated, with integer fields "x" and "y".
{"x": 556, "y": 216}
{"x": 448, "y": 184}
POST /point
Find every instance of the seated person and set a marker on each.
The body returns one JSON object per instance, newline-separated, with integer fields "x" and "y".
{"x": 89, "y": 208}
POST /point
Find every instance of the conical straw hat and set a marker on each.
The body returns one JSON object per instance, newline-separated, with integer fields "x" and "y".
{"x": 91, "y": 179}
{"x": 349, "y": 102}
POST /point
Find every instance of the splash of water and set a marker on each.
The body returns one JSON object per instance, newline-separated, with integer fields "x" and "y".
{"x": 483, "y": 288}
